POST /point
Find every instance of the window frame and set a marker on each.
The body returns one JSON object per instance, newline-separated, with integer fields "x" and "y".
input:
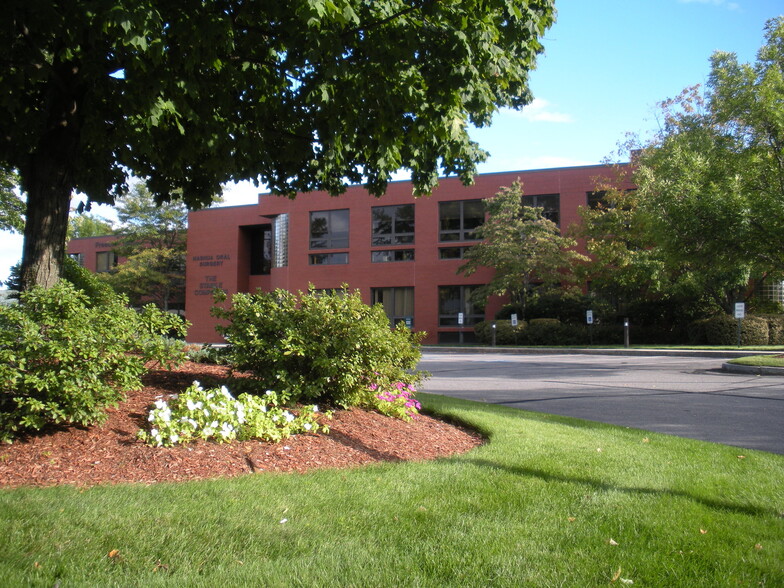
{"x": 465, "y": 230}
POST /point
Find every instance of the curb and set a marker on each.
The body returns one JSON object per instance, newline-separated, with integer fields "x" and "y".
{"x": 754, "y": 370}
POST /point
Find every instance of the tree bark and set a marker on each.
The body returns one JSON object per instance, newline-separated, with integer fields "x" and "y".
{"x": 48, "y": 180}
{"x": 46, "y": 225}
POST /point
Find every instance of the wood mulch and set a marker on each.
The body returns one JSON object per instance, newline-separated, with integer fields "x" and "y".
{"x": 110, "y": 453}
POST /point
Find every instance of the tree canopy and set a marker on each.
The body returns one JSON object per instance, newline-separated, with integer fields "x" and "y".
{"x": 708, "y": 214}
{"x": 11, "y": 206}
{"x": 302, "y": 95}
{"x": 522, "y": 246}
{"x": 88, "y": 225}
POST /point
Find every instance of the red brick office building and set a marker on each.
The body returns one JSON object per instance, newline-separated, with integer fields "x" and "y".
{"x": 94, "y": 253}
{"x": 397, "y": 250}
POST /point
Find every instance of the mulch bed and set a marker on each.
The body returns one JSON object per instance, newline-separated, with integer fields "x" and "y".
{"x": 111, "y": 453}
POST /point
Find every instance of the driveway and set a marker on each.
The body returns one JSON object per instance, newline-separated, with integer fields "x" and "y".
{"x": 685, "y": 396}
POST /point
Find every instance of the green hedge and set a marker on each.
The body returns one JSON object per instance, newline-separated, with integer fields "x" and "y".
{"x": 723, "y": 330}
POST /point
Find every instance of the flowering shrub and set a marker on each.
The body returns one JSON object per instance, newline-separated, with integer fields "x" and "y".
{"x": 396, "y": 400}
{"x": 215, "y": 414}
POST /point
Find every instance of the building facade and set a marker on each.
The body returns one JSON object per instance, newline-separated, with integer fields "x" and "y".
{"x": 94, "y": 253}
{"x": 397, "y": 250}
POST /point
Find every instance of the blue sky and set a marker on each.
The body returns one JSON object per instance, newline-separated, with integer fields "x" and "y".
{"x": 606, "y": 65}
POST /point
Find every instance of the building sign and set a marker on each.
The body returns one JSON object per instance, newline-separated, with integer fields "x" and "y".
{"x": 207, "y": 286}
{"x": 211, "y": 260}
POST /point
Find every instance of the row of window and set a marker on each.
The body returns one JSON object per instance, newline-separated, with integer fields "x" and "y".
{"x": 455, "y": 305}
{"x": 104, "y": 260}
{"x": 394, "y": 225}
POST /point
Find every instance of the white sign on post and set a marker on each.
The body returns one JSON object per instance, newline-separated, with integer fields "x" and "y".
{"x": 740, "y": 310}
{"x": 589, "y": 317}
{"x": 514, "y": 320}
{"x": 459, "y": 318}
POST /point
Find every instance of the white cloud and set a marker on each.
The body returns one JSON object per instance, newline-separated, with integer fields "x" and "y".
{"x": 540, "y": 110}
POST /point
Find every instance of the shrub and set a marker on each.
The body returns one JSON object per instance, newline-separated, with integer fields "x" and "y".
{"x": 723, "y": 330}
{"x": 65, "y": 358}
{"x": 542, "y": 331}
{"x": 505, "y": 333}
{"x": 323, "y": 347}
{"x": 775, "y": 328}
{"x": 206, "y": 354}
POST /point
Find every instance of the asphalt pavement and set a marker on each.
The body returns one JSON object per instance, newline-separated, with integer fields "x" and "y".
{"x": 689, "y": 396}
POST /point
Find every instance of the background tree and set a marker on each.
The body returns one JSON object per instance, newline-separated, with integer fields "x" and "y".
{"x": 152, "y": 241}
{"x": 302, "y": 95}
{"x": 708, "y": 214}
{"x": 522, "y": 246}
{"x": 88, "y": 225}
{"x": 11, "y": 205}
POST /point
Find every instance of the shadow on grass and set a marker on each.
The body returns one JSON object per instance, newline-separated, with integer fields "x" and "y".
{"x": 601, "y": 485}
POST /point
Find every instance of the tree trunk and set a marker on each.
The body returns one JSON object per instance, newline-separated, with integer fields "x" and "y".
{"x": 46, "y": 224}
{"x": 48, "y": 180}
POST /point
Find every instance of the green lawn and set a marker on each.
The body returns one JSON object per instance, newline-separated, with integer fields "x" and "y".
{"x": 760, "y": 360}
{"x": 549, "y": 501}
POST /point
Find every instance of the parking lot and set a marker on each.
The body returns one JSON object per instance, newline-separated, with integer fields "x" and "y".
{"x": 686, "y": 396}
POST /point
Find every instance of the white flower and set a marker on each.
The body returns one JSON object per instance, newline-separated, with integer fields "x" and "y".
{"x": 160, "y": 404}
{"x": 151, "y": 418}
{"x": 269, "y": 393}
{"x": 315, "y": 408}
{"x": 174, "y": 437}
{"x": 191, "y": 404}
{"x": 263, "y": 408}
{"x": 165, "y": 415}
{"x": 307, "y": 426}
{"x": 226, "y": 392}
{"x": 197, "y": 385}
{"x": 289, "y": 416}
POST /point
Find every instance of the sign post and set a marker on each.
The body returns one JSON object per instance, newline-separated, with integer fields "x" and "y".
{"x": 740, "y": 314}
{"x": 589, "y": 322}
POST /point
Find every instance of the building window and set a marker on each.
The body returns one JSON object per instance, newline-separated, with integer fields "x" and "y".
{"x": 550, "y": 203}
{"x": 452, "y": 252}
{"x": 77, "y": 257}
{"x": 328, "y": 258}
{"x": 459, "y": 219}
{"x": 392, "y": 255}
{"x": 105, "y": 261}
{"x": 596, "y": 199}
{"x": 260, "y": 249}
{"x": 329, "y": 229}
{"x": 453, "y": 300}
{"x": 398, "y": 304}
{"x": 392, "y": 225}
{"x": 280, "y": 236}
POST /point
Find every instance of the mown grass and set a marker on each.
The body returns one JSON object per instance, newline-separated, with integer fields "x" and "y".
{"x": 549, "y": 501}
{"x": 760, "y": 360}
